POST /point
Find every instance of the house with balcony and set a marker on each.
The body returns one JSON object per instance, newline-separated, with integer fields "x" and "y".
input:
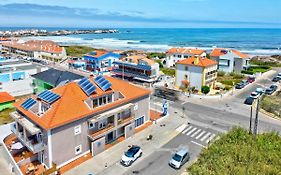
{"x": 230, "y": 60}
{"x": 137, "y": 67}
{"x": 177, "y": 54}
{"x": 51, "y": 78}
{"x": 196, "y": 72}
{"x": 100, "y": 60}
{"x": 58, "y": 126}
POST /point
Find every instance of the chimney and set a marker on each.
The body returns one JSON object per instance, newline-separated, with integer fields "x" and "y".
{"x": 196, "y": 60}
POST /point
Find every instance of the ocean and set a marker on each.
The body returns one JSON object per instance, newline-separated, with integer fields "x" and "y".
{"x": 251, "y": 41}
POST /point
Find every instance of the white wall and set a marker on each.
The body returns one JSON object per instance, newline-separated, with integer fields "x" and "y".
{"x": 194, "y": 75}
{"x": 18, "y": 88}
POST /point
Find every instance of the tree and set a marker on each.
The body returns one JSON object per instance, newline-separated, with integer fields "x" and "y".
{"x": 205, "y": 89}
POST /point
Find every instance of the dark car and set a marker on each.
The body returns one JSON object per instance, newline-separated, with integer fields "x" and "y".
{"x": 249, "y": 101}
{"x": 269, "y": 91}
{"x": 275, "y": 79}
{"x": 245, "y": 82}
{"x": 239, "y": 86}
{"x": 274, "y": 87}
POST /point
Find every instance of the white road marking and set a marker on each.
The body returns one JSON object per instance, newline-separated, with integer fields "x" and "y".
{"x": 183, "y": 103}
{"x": 195, "y": 133}
{"x": 198, "y": 144}
{"x": 187, "y": 129}
{"x": 210, "y": 138}
{"x": 205, "y": 136}
{"x": 181, "y": 128}
{"x": 191, "y": 131}
{"x": 200, "y": 135}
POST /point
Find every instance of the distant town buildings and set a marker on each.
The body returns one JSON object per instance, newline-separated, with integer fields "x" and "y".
{"x": 90, "y": 113}
{"x": 176, "y": 54}
{"x": 230, "y": 60}
{"x": 15, "y": 76}
{"x": 195, "y": 72}
{"x": 137, "y": 67}
{"x": 39, "y": 49}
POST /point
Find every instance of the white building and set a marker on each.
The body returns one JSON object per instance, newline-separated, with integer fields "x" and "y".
{"x": 15, "y": 77}
{"x": 230, "y": 60}
{"x": 176, "y": 54}
{"x": 196, "y": 72}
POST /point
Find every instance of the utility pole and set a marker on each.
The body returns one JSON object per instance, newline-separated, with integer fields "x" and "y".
{"x": 257, "y": 118}
{"x": 251, "y": 118}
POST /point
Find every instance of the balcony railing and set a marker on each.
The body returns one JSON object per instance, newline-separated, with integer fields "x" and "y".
{"x": 103, "y": 131}
{"x": 125, "y": 121}
{"x": 34, "y": 147}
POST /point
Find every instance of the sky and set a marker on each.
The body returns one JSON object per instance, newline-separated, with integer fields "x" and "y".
{"x": 141, "y": 13}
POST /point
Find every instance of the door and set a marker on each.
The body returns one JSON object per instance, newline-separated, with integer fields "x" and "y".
{"x": 110, "y": 137}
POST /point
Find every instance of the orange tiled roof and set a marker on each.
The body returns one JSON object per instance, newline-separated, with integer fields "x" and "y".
{"x": 98, "y": 53}
{"x": 203, "y": 62}
{"x": 135, "y": 59}
{"x": 35, "y": 45}
{"x": 219, "y": 52}
{"x": 6, "y": 97}
{"x": 71, "y": 106}
{"x": 185, "y": 51}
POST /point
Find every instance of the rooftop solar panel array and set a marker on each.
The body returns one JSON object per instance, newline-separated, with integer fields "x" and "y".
{"x": 103, "y": 83}
{"x": 87, "y": 86}
{"x": 48, "y": 96}
{"x": 28, "y": 103}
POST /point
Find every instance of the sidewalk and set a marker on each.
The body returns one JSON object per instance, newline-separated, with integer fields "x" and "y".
{"x": 107, "y": 162}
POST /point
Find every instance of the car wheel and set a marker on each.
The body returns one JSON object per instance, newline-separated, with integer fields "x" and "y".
{"x": 140, "y": 154}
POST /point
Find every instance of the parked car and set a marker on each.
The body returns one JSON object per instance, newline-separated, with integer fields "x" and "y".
{"x": 131, "y": 155}
{"x": 255, "y": 95}
{"x": 269, "y": 91}
{"x": 239, "y": 86}
{"x": 274, "y": 87}
{"x": 275, "y": 79}
{"x": 249, "y": 100}
{"x": 260, "y": 90}
{"x": 245, "y": 82}
{"x": 179, "y": 158}
{"x": 251, "y": 79}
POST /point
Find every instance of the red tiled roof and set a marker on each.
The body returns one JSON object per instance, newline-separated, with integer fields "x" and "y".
{"x": 202, "y": 62}
{"x": 35, "y": 45}
{"x": 219, "y": 52}
{"x": 185, "y": 51}
{"x": 71, "y": 105}
{"x": 6, "y": 97}
{"x": 98, "y": 53}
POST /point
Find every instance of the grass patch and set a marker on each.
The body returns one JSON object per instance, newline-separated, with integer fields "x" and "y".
{"x": 272, "y": 104}
{"x": 266, "y": 63}
{"x": 168, "y": 71}
{"x": 254, "y": 69}
{"x": 156, "y": 54}
{"x": 77, "y": 51}
{"x": 239, "y": 153}
{"x": 5, "y": 117}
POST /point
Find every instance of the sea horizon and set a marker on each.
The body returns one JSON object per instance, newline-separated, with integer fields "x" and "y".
{"x": 253, "y": 41}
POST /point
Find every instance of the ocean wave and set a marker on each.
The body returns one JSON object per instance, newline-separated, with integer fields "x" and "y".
{"x": 119, "y": 44}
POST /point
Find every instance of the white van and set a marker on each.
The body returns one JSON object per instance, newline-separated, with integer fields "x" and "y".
{"x": 179, "y": 158}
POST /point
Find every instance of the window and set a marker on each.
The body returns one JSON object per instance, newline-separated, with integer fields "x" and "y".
{"x": 78, "y": 149}
{"x": 109, "y": 98}
{"x": 179, "y": 56}
{"x": 91, "y": 125}
{"x": 186, "y": 56}
{"x": 95, "y": 103}
{"x": 139, "y": 121}
{"x": 186, "y": 68}
{"x": 136, "y": 107}
{"x": 77, "y": 130}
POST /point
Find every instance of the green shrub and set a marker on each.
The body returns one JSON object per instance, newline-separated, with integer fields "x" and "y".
{"x": 168, "y": 71}
{"x": 221, "y": 73}
{"x": 247, "y": 72}
{"x": 160, "y": 63}
{"x": 205, "y": 89}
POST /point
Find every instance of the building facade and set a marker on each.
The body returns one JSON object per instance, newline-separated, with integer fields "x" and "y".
{"x": 15, "y": 76}
{"x": 137, "y": 67}
{"x": 176, "y": 54}
{"x": 79, "y": 118}
{"x": 230, "y": 60}
{"x": 100, "y": 60}
{"x": 196, "y": 72}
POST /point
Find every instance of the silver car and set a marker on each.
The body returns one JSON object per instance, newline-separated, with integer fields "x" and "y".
{"x": 179, "y": 158}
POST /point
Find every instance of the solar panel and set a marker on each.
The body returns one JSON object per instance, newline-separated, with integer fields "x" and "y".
{"x": 28, "y": 103}
{"x": 87, "y": 86}
{"x": 48, "y": 96}
{"x": 103, "y": 83}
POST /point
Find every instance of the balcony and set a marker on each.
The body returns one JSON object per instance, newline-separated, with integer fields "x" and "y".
{"x": 125, "y": 121}
{"x": 109, "y": 127}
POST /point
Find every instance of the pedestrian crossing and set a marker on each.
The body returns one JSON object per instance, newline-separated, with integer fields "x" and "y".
{"x": 197, "y": 133}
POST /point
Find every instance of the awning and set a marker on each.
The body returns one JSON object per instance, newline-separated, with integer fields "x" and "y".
{"x": 17, "y": 145}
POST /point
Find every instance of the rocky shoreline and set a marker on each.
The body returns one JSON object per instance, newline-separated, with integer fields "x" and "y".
{"x": 37, "y": 32}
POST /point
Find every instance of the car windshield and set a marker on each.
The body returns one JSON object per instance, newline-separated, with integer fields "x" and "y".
{"x": 249, "y": 100}
{"x": 131, "y": 152}
{"x": 254, "y": 94}
{"x": 177, "y": 157}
